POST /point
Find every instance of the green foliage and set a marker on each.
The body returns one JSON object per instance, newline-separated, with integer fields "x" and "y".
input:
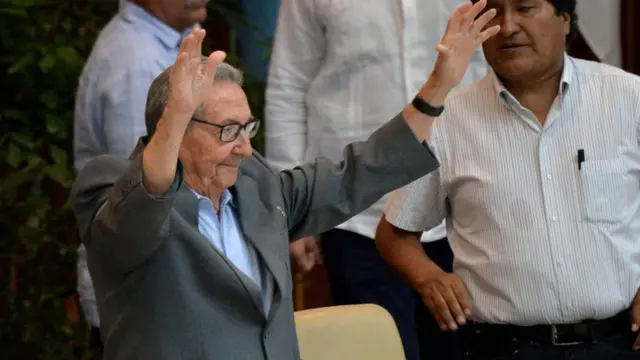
{"x": 44, "y": 46}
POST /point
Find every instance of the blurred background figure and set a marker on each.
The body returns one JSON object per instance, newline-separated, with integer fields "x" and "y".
{"x": 338, "y": 70}
{"x": 254, "y": 35}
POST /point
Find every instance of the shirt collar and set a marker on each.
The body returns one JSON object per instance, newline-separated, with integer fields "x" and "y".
{"x": 565, "y": 81}
{"x": 169, "y": 37}
{"x": 225, "y": 199}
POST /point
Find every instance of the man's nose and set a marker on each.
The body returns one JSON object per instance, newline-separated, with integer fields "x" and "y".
{"x": 244, "y": 145}
{"x": 508, "y": 24}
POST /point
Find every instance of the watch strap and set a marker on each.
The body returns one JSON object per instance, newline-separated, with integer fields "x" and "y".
{"x": 426, "y": 108}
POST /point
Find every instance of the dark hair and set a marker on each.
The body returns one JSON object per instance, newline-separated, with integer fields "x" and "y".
{"x": 564, "y": 7}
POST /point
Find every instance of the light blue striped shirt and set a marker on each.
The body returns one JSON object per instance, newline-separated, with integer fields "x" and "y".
{"x": 536, "y": 239}
{"x": 130, "y": 52}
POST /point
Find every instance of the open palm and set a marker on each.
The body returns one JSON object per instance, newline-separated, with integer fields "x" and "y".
{"x": 465, "y": 32}
{"x": 191, "y": 79}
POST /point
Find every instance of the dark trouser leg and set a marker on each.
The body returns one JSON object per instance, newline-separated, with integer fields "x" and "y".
{"x": 95, "y": 341}
{"x": 436, "y": 344}
{"x": 358, "y": 275}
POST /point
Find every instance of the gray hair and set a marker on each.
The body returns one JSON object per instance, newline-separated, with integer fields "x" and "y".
{"x": 158, "y": 94}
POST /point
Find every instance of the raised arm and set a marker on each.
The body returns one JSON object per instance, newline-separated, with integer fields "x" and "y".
{"x": 298, "y": 49}
{"x": 322, "y": 195}
{"x": 189, "y": 84}
{"x": 122, "y": 206}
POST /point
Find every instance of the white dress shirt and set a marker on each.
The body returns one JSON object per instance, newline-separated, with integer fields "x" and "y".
{"x": 536, "y": 239}
{"x": 340, "y": 69}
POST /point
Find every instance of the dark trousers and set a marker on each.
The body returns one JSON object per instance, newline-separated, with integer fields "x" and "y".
{"x": 95, "y": 341}
{"x": 436, "y": 344}
{"x": 358, "y": 274}
{"x": 617, "y": 346}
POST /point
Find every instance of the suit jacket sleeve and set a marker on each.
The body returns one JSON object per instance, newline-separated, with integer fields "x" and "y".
{"x": 119, "y": 221}
{"x": 321, "y": 195}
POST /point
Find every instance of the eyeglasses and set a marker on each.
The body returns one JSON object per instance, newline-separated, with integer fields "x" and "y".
{"x": 230, "y": 132}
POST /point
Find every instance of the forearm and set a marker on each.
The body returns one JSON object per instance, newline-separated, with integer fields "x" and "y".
{"x": 160, "y": 157}
{"x": 434, "y": 93}
{"x": 403, "y": 251}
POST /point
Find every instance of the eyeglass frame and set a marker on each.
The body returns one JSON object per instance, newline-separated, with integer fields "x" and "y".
{"x": 241, "y": 127}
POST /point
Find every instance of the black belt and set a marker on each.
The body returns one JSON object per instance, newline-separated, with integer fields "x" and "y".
{"x": 555, "y": 335}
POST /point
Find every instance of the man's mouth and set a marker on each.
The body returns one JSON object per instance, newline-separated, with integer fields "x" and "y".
{"x": 511, "y": 47}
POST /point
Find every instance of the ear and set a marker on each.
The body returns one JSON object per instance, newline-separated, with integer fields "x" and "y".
{"x": 566, "y": 23}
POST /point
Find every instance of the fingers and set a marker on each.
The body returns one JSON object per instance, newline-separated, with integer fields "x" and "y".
{"x": 197, "y": 46}
{"x": 440, "y": 310}
{"x": 635, "y": 319}
{"x": 192, "y": 44}
{"x": 463, "y": 298}
{"x": 479, "y": 24}
{"x": 194, "y": 51}
{"x": 314, "y": 248}
{"x": 458, "y": 317}
{"x": 458, "y": 17}
{"x": 184, "y": 45}
{"x": 635, "y": 314}
{"x": 475, "y": 10}
{"x": 306, "y": 264}
{"x": 178, "y": 69}
{"x": 487, "y": 34}
{"x": 448, "y": 306}
{"x": 215, "y": 59}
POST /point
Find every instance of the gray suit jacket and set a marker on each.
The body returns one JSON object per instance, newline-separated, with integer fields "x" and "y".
{"x": 164, "y": 292}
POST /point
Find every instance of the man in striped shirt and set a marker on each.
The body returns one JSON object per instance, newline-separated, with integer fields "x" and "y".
{"x": 540, "y": 186}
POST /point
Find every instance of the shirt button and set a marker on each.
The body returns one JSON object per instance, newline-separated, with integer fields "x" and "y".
{"x": 548, "y": 176}
{"x": 555, "y": 219}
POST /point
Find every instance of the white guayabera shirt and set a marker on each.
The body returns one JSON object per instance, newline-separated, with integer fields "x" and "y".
{"x": 341, "y": 68}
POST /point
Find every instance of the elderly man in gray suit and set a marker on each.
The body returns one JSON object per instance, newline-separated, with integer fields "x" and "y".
{"x": 187, "y": 240}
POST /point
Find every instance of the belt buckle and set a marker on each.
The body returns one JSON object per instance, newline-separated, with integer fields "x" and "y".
{"x": 556, "y": 341}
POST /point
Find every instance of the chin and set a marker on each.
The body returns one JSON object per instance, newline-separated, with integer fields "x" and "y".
{"x": 199, "y": 15}
{"x": 228, "y": 178}
{"x": 513, "y": 68}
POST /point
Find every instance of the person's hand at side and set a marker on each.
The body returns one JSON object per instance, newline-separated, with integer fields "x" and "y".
{"x": 447, "y": 299}
{"x": 305, "y": 253}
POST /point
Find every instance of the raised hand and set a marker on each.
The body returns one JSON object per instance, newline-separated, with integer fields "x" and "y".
{"x": 191, "y": 80}
{"x": 465, "y": 32}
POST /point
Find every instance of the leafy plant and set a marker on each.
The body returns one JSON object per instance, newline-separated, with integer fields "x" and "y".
{"x": 44, "y": 46}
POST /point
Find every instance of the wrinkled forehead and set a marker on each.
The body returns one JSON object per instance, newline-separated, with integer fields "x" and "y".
{"x": 227, "y": 103}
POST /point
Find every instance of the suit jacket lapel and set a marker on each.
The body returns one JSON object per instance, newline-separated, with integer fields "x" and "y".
{"x": 255, "y": 219}
{"x": 187, "y": 205}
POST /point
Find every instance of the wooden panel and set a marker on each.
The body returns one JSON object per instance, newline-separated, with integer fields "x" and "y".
{"x": 630, "y": 32}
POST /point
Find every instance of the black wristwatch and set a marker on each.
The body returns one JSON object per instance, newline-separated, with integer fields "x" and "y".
{"x": 426, "y": 108}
